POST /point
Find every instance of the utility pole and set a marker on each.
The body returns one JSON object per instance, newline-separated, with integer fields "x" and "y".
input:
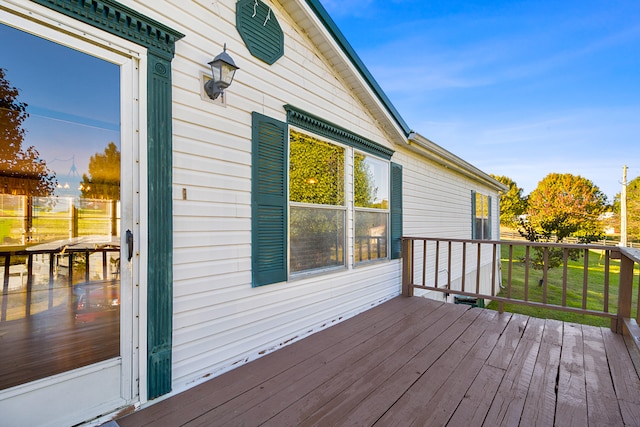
{"x": 623, "y": 209}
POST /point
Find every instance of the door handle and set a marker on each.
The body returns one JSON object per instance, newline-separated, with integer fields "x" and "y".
{"x": 130, "y": 244}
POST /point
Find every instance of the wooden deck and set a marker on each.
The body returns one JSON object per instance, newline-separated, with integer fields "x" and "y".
{"x": 417, "y": 362}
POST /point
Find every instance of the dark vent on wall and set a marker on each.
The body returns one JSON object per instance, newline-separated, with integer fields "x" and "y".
{"x": 259, "y": 28}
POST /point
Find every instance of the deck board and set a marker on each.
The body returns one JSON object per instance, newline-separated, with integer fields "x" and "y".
{"x": 336, "y": 399}
{"x": 571, "y": 407}
{"x": 300, "y": 390}
{"x": 624, "y": 376}
{"x": 603, "y": 408}
{"x": 385, "y": 398}
{"x": 457, "y": 384}
{"x": 540, "y": 404}
{"x": 413, "y": 361}
{"x": 508, "y": 403}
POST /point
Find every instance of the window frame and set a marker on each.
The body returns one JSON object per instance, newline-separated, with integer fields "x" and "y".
{"x": 347, "y": 165}
{"x": 478, "y": 229}
{"x": 270, "y": 193}
{"x": 386, "y": 211}
{"x": 349, "y": 208}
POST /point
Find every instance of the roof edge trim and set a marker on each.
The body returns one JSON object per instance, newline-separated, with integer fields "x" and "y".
{"x": 337, "y": 35}
{"x": 445, "y": 158}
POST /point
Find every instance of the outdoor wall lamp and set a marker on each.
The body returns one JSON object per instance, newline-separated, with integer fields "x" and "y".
{"x": 222, "y": 69}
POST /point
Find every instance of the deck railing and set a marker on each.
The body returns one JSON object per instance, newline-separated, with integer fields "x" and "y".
{"x": 489, "y": 270}
{"x": 56, "y": 269}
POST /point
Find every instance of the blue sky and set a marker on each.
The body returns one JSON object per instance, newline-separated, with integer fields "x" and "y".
{"x": 73, "y": 100}
{"x": 517, "y": 88}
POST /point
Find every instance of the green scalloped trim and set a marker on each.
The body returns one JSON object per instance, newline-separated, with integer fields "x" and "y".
{"x": 314, "y": 124}
{"x": 120, "y": 20}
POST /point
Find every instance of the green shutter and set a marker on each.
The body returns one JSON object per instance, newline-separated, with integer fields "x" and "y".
{"x": 473, "y": 214}
{"x": 269, "y": 200}
{"x": 396, "y": 210}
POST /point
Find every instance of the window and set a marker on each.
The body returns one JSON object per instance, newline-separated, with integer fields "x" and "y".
{"x": 318, "y": 207}
{"x": 371, "y": 201}
{"x": 317, "y": 211}
{"x": 481, "y": 216}
{"x": 304, "y": 215}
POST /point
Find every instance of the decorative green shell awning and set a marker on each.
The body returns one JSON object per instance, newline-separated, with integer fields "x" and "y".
{"x": 260, "y": 30}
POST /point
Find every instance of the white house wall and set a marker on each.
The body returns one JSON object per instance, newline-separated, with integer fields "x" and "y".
{"x": 437, "y": 203}
{"x": 219, "y": 319}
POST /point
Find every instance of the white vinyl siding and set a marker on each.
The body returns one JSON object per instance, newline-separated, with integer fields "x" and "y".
{"x": 220, "y": 320}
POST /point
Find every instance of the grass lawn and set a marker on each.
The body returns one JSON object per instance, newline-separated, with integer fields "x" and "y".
{"x": 575, "y": 278}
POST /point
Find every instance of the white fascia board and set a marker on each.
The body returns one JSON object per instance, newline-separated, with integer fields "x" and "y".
{"x": 350, "y": 74}
{"x": 434, "y": 152}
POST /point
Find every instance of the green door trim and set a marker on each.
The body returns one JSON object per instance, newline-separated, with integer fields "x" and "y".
{"x": 159, "y": 40}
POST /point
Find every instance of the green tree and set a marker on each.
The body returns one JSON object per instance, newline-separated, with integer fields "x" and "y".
{"x": 633, "y": 208}
{"x": 103, "y": 181}
{"x": 363, "y": 183}
{"x": 563, "y": 205}
{"x": 512, "y": 203}
{"x": 22, "y": 172}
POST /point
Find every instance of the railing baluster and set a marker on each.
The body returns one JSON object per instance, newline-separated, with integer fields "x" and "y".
{"x": 437, "y": 262}
{"x": 424, "y": 263}
{"x": 5, "y": 287}
{"x": 585, "y": 279}
{"x": 510, "y": 271}
{"x": 478, "y": 270}
{"x": 51, "y": 282}
{"x": 545, "y": 274}
{"x": 606, "y": 281}
{"x": 449, "y": 267}
{"x": 493, "y": 270}
{"x": 565, "y": 266}
{"x": 29, "y": 284}
{"x": 464, "y": 264}
{"x": 638, "y": 301}
{"x": 527, "y": 260}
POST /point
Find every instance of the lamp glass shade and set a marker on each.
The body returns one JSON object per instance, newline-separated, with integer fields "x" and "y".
{"x": 223, "y": 69}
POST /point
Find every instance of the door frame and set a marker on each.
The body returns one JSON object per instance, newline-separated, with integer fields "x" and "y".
{"x": 136, "y": 376}
{"x": 156, "y": 259}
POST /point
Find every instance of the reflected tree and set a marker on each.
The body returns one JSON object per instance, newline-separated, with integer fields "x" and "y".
{"x": 317, "y": 191}
{"x": 22, "y": 172}
{"x": 316, "y": 178}
{"x": 316, "y": 171}
{"x": 364, "y": 190}
{"x": 103, "y": 181}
